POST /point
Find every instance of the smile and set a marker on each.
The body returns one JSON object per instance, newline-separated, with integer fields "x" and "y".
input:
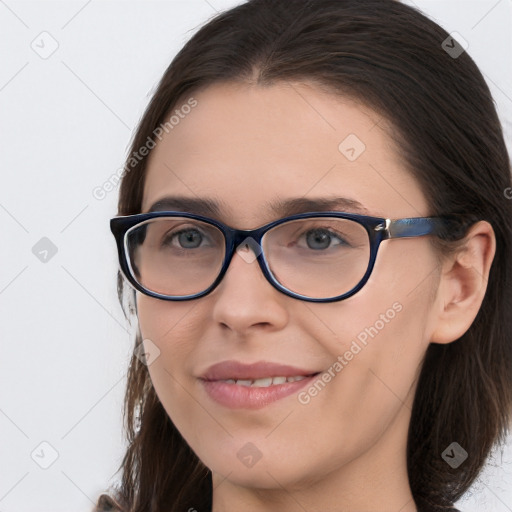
{"x": 253, "y": 386}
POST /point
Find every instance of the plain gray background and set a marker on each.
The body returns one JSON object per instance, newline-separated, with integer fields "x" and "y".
{"x": 74, "y": 80}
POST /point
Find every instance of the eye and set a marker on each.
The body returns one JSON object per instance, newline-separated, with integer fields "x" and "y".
{"x": 321, "y": 238}
{"x": 188, "y": 238}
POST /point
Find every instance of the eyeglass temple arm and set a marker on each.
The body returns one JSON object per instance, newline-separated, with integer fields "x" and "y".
{"x": 450, "y": 226}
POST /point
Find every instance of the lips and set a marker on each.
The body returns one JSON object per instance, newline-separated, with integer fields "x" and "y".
{"x": 252, "y": 386}
{"x": 240, "y": 371}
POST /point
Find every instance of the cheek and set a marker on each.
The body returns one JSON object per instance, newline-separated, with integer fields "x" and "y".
{"x": 377, "y": 338}
{"x": 174, "y": 327}
{"x": 171, "y": 331}
{"x": 157, "y": 317}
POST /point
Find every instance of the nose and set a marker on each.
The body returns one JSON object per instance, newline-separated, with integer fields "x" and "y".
{"x": 244, "y": 300}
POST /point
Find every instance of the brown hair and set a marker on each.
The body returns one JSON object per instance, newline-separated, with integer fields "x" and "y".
{"x": 390, "y": 57}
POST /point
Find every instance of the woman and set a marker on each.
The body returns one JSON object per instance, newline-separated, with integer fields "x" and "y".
{"x": 315, "y": 226}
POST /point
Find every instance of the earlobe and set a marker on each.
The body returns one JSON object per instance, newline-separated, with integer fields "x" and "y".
{"x": 463, "y": 284}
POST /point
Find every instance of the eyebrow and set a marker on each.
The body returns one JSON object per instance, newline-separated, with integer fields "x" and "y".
{"x": 283, "y": 207}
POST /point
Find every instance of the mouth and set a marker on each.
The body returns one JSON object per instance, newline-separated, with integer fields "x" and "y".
{"x": 252, "y": 386}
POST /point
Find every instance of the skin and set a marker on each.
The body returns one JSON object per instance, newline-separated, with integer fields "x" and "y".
{"x": 346, "y": 449}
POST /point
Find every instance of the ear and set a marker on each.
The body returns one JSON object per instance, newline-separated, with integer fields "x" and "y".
{"x": 463, "y": 284}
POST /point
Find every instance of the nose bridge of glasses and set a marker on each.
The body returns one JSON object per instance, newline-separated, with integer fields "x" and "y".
{"x": 247, "y": 244}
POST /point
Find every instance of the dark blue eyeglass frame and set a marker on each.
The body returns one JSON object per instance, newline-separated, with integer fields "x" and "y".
{"x": 448, "y": 227}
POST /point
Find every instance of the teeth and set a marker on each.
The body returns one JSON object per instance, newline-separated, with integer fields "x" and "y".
{"x": 264, "y": 382}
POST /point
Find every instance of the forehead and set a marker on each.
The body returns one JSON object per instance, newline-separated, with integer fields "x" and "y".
{"x": 248, "y": 148}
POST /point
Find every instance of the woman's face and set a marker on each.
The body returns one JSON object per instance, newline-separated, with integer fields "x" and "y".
{"x": 244, "y": 146}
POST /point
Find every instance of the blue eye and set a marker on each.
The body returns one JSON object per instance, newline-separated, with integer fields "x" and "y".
{"x": 321, "y": 238}
{"x": 187, "y": 238}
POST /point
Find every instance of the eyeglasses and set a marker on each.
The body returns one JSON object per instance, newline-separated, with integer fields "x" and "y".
{"x": 315, "y": 256}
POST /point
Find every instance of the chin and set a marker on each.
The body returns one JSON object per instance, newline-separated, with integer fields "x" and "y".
{"x": 265, "y": 469}
{"x": 259, "y": 476}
